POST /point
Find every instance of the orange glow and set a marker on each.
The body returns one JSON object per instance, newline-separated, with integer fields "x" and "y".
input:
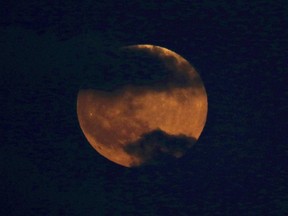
{"x": 110, "y": 121}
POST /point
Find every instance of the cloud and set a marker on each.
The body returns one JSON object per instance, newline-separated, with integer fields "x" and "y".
{"x": 158, "y": 147}
{"x": 143, "y": 69}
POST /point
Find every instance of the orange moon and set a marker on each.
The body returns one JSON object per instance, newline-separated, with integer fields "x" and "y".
{"x": 133, "y": 124}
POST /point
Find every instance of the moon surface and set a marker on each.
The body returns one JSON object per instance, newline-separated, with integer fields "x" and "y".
{"x": 155, "y": 110}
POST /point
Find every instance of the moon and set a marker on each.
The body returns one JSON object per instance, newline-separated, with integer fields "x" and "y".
{"x": 150, "y": 108}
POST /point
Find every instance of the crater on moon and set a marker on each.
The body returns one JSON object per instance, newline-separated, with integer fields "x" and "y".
{"x": 148, "y": 104}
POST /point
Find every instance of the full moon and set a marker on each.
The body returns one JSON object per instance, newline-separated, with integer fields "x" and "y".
{"x": 151, "y": 108}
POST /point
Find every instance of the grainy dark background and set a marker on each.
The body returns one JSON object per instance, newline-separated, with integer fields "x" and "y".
{"x": 239, "y": 164}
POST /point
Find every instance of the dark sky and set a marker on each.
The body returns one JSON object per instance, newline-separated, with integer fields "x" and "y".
{"x": 49, "y": 49}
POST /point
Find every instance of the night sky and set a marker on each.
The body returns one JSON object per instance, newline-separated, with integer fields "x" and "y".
{"x": 50, "y": 49}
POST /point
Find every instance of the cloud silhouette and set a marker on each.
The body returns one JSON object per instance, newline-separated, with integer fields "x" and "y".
{"x": 158, "y": 147}
{"x": 140, "y": 68}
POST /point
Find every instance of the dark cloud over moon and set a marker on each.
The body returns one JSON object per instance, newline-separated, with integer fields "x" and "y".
{"x": 126, "y": 67}
{"x": 157, "y": 147}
